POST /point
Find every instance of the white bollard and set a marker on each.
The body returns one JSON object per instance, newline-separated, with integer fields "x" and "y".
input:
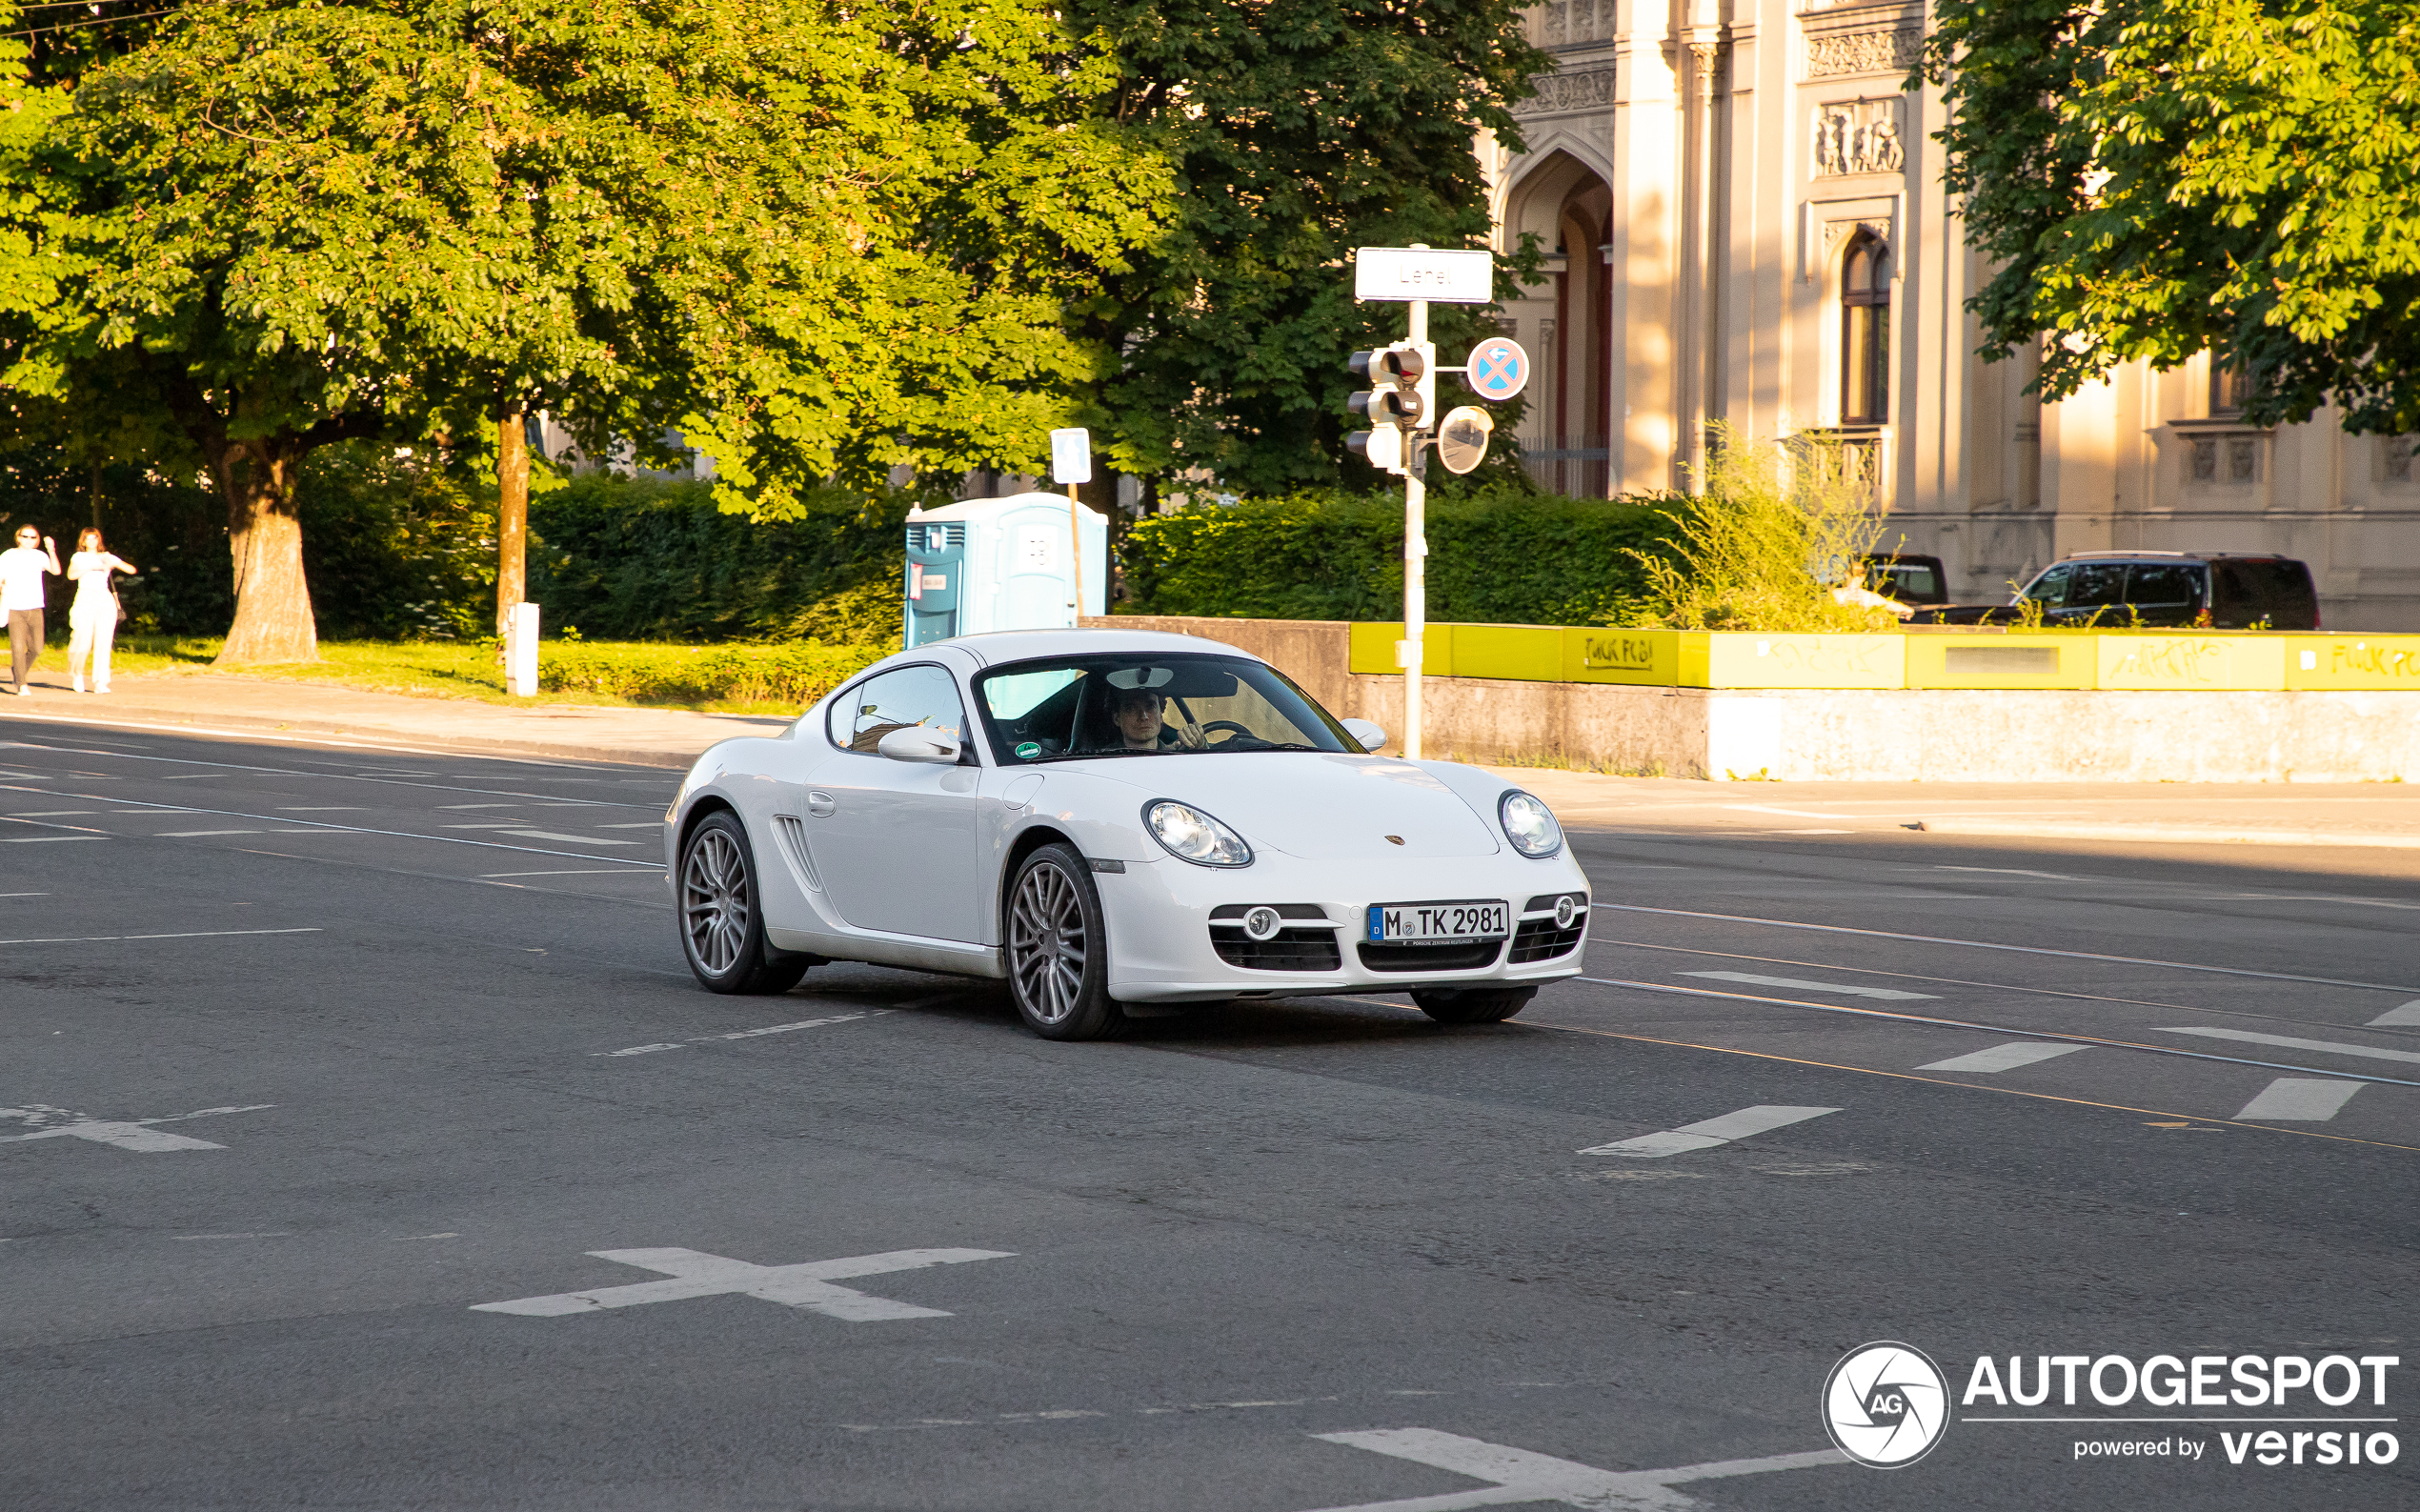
{"x": 520, "y": 652}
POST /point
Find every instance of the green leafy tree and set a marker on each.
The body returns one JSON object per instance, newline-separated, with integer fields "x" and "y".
{"x": 1298, "y": 131}
{"x": 2153, "y": 180}
{"x": 816, "y": 241}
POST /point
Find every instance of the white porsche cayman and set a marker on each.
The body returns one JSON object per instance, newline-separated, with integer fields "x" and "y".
{"x": 1127, "y": 819}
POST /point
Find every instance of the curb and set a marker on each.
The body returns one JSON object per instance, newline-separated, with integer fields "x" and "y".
{"x": 182, "y": 721}
{"x": 2166, "y": 833}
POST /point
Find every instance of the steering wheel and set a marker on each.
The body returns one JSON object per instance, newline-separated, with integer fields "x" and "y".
{"x": 1229, "y": 726}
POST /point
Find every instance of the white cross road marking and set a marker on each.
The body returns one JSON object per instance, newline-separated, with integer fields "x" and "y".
{"x": 2332, "y": 1047}
{"x": 1893, "y": 994}
{"x": 129, "y": 1133}
{"x": 2002, "y": 1058}
{"x": 2407, "y": 1016}
{"x": 1710, "y": 1132}
{"x": 808, "y": 1286}
{"x": 1521, "y": 1476}
{"x": 2301, "y": 1100}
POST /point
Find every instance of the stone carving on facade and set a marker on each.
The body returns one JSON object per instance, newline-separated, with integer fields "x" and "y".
{"x": 1562, "y": 24}
{"x": 1895, "y": 51}
{"x": 1858, "y": 136}
{"x": 1569, "y": 93}
{"x": 1835, "y": 229}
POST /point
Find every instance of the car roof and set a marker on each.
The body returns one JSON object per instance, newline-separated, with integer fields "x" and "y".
{"x": 2173, "y": 556}
{"x": 999, "y": 647}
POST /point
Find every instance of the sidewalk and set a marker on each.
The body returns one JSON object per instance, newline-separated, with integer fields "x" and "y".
{"x": 227, "y": 703}
{"x": 2375, "y": 816}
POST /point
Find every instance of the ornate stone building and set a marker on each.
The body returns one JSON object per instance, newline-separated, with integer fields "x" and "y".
{"x": 1745, "y": 224}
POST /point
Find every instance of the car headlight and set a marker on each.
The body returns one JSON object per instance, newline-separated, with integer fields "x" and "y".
{"x": 1530, "y": 824}
{"x": 1193, "y": 835}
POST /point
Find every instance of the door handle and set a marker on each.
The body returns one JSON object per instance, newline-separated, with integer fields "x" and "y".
{"x": 820, "y": 804}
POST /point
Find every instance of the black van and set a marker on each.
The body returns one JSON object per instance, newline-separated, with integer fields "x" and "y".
{"x": 2120, "y": 589}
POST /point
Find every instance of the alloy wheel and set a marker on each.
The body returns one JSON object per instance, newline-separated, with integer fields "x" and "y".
{"x": 1046, "y": 943}
{"x": 713, "y": 901}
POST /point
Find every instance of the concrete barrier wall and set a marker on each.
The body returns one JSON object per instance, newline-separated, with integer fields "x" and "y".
{"x": 1856, "y": 734}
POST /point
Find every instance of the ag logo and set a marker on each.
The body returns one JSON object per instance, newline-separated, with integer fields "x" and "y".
{"x": 1886, "y": 1404}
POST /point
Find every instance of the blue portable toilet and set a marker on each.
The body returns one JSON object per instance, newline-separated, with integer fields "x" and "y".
{"x": 1000, "y": 564}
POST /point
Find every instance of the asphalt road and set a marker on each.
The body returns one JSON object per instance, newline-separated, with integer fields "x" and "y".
{"x": 313, "y": 1052}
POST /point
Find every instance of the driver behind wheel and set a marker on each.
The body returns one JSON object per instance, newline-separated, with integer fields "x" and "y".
{"x": 1138, "y": 713}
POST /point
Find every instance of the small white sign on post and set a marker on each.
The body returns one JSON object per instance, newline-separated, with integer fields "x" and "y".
{"x": 1071, "y": 456}
{"x": 520, "y": 652}
{"x": 1440, "y": 275}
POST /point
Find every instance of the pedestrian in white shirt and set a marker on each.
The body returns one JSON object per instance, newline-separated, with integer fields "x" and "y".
{"x": 92, "y": 619}
{"x": 21, "y": 572}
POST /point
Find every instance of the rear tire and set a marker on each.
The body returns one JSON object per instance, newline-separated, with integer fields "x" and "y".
{"x": 723, "y": 920}
{"x": 1472, "y": 1005}
{"x": 1056, "y": 949}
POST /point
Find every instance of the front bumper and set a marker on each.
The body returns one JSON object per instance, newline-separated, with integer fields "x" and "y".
{"x": 1160, "y": 948}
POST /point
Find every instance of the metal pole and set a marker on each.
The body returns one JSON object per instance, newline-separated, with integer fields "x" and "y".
{"x": 1075, "y": 538}
{"x": 1415, "y": 563}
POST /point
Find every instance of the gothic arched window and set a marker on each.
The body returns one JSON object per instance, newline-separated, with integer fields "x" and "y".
{"x": 1865, "y": 332}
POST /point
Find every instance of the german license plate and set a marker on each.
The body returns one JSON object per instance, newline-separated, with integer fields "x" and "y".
{"x": 1438, "y": 923}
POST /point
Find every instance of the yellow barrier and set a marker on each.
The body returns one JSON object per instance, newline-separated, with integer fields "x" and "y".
{"x": 1649, "y": 657}
{"x": 2013, "y": 660}
{"x": 2206, "y": 661}
{"x": 1744, "y": 659}
{"x": 2353, "y": 661}
{"x": 2129, "y": 659}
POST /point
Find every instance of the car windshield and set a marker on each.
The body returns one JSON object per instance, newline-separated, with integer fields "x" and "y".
{"x": 1070, "y": 708}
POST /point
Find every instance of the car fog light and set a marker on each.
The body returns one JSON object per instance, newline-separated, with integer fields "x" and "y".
{"x": 1566, "y": 909}
{"x": 1263, "y": 923}
{"x": 1530, "y": 824}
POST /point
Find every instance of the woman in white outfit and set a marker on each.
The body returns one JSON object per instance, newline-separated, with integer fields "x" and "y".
{"x": 92, "y": 619}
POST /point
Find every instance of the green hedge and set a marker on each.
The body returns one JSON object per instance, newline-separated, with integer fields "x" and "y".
{"x": 650, "y": 559}
{"x": 793, "y": 675}
{"x": 1504, "y": 557}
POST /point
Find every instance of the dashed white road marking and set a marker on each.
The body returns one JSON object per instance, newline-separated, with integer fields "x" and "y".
{"x": 198, "y": 933}
{"x": 2002, "y": 1058}
{"x": 195, "y": 835}
{"x": 47, "y": 839}
{"x": 746, "y": 1033}
{"x": 1985, "y": 944}
{"x": 2013, "y": 871}
{"x": 1520, "y": 1475}
{"x": 1801, "y": 984}
{"x": 575, "y": 839}
{"x": 2300, "y": 1100}
{"x": 808, "y": 1288}
{"x": 2407, "y": 1016}
{"x": 130, "y": 1134}
{"x": 643, "y": 824}
{"x": 587, "y": 871}
{"x": 2333, "y": 1047}
{"x": 1706, "y": 1135}
{"x": 321, "y": 807}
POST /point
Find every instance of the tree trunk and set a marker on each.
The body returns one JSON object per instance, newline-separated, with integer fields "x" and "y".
{"x": 512, "y": 513}
{"x": 273, "y": 621}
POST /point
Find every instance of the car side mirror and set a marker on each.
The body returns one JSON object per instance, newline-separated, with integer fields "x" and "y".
{"x": 1369, "y": 734}
{"x": 919, "y": 742}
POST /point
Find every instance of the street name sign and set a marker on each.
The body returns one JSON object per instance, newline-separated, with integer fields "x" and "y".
{"x": 1440, "y": 275}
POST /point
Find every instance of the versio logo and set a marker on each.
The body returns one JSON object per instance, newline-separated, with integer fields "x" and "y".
{"x": 1886, "y": 1404}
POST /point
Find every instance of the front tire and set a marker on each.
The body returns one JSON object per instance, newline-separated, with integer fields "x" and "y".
{"x": 1472, "y": 1005}
{"x": 1057, "y": 951}
{"x": 722, "y": 919}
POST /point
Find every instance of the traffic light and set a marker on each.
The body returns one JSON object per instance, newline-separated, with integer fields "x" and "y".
{"x": 1402, "y": 395}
